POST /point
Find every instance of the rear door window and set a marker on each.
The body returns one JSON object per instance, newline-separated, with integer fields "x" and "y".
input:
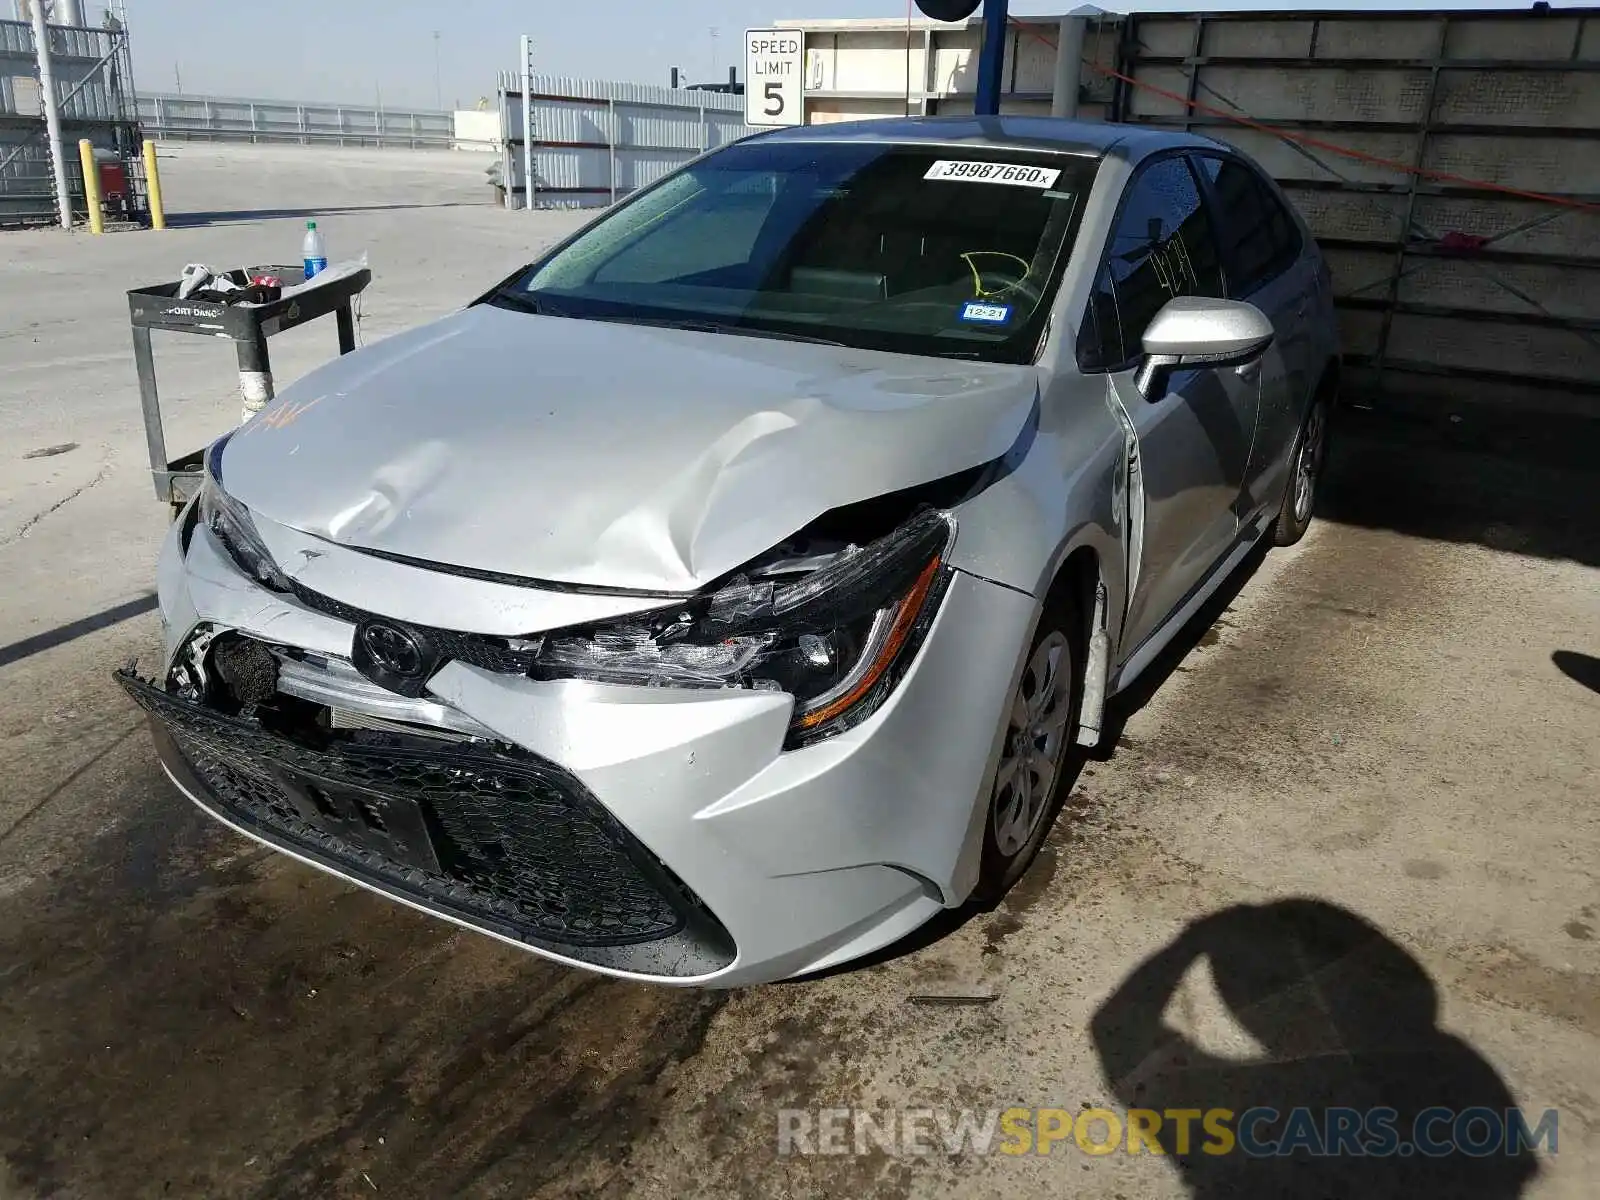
{"x": 1260, "y": 238}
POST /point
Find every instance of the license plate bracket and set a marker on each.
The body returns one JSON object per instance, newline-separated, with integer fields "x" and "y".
{"x": 392, "y": 826}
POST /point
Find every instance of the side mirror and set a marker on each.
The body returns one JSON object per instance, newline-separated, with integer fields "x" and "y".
{"x": 1199, "y": 331}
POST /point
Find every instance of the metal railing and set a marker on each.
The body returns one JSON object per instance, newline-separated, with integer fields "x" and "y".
{"x": 241, "y": 119}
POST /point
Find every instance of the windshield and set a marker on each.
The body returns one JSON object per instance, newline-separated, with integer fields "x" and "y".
{"x": 911, "y": 248}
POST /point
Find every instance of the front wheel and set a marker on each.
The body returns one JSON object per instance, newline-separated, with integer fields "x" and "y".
{"x": 1036, "y": 757}
{"x": 1305, "y": 472}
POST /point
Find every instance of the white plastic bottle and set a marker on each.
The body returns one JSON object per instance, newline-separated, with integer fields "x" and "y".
{"x": 313, "y": 250}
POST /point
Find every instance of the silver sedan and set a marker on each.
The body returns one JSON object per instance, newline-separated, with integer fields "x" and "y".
{"x": 725, "y": 594}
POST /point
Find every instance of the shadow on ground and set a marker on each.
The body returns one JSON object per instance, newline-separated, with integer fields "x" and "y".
{"x": 1345, "y": 1022}
{"x": 70, "y": 631}
{"x": 1521, "y": 482}
{"x": 1578, "y": 667}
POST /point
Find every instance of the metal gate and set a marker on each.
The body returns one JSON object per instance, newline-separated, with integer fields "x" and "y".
{"x": 595, "y": 141}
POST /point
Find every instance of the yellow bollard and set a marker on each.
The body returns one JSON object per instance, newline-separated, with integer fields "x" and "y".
{"x": 91, "y": 187}
{"x": 152, "y": 179}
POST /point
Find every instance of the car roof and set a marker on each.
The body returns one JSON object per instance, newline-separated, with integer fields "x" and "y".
{"x": 1089, "y": 138}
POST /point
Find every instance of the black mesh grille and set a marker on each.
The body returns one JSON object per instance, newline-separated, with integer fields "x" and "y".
{"x": 512, "y": 843}
{"x": 475, "y": 649}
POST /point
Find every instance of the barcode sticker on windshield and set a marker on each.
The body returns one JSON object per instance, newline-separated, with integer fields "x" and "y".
{"x": 1014, "y": 174}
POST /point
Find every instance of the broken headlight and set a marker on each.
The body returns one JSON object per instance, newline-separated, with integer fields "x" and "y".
{"x": 230, "y": 522}
{"x": 835, "y": 630}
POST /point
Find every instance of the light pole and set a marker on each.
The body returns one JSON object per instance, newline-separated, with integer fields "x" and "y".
{"x": 52, "y": 114}
{"x": 714, "y": 59}
{"x": 438, "y": 89}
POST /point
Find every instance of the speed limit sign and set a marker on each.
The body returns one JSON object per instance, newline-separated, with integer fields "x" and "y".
{"x": 774, "y": 64}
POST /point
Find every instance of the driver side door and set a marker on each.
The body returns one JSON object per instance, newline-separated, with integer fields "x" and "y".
{"x": 1192, "y": 441}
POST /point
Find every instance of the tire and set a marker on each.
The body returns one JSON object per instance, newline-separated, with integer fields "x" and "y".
{"x": 1305, "y": 472}
{"x": 1030, "y": 778}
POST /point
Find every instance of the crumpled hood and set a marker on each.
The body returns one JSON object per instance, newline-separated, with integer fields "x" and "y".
{"x": 617, "y": 456}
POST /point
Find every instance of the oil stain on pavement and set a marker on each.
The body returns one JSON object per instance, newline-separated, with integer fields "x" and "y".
{"x": 182, "y": 1014}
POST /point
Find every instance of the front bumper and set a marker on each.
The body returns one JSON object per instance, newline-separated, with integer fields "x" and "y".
{"x": 671, "y": 822}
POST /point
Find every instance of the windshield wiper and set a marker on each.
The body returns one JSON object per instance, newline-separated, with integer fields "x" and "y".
{"x": 526, "y": 304}
{"x": 779, "y": 335}
{"x": 693, "y": 326}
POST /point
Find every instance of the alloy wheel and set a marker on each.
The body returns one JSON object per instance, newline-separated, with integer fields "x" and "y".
{"x": 1308, "y": 465}
{"x": 1036, "y": 738}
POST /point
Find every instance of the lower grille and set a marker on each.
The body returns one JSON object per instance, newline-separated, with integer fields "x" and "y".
{"x": 507, "y": 842}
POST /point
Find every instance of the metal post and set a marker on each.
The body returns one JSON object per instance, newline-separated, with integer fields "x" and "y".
{"x": 254, "y": 124}
{"x": 1424, "y": 130}
{"x": 300, "y": 114}
{"x": 91, "y": 186}
{"x": 611, "y": 142}
{"x": 508, "y": 167}
{"x": 991, "y": 58}
{"x": 144, "y": 365}
{"x": 1069, "y": 68}
{"x": 255, "y": 375}
{"x": 52, "y": 116}
{"x": 152, "y": 184}
{"x": 346, "y": 322}
{"x": 527, "y": 122}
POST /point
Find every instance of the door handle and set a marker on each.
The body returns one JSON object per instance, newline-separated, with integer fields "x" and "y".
{"x": 1248, "y": 371}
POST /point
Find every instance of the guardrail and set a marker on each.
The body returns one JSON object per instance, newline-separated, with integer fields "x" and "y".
{"x": 241, "y": 119}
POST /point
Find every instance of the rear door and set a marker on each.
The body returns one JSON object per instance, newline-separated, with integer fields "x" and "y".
{"x": 1192, "y": 442}
{"x": 1265, "y": 263}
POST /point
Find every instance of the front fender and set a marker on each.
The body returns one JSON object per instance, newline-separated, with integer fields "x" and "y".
{"x": 1058, "y": 491}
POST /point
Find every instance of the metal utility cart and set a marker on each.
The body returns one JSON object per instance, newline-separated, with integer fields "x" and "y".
{"x": 248, "y": 326}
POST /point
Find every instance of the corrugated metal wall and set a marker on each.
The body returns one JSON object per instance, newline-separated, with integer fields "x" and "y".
{"x": 241, "y": 119}
{"x": 596, "y": 140}
{"x": 1448, "y": 287}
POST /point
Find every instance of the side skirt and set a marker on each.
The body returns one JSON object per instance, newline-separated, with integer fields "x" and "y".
{"x": 1162, "y": 637}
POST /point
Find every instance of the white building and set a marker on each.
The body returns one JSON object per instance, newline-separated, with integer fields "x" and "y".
{"x": 891, "y": 67}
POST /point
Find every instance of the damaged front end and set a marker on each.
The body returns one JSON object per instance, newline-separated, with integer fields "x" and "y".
{"x": 832, "y": 625}
{"x": 351, "y": 763}
{"x": 479, "y": 832}
{"x": 831, "y": 616}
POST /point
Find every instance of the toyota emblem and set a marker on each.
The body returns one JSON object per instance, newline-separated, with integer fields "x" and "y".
{"x": 394, "y": 650}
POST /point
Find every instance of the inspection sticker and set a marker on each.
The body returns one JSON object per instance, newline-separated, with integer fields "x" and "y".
{"x": 987, "y": 314}
{"x": 1015, "y": 174}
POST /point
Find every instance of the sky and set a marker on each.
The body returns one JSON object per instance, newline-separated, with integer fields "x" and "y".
{"x": 353, "y": 51}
